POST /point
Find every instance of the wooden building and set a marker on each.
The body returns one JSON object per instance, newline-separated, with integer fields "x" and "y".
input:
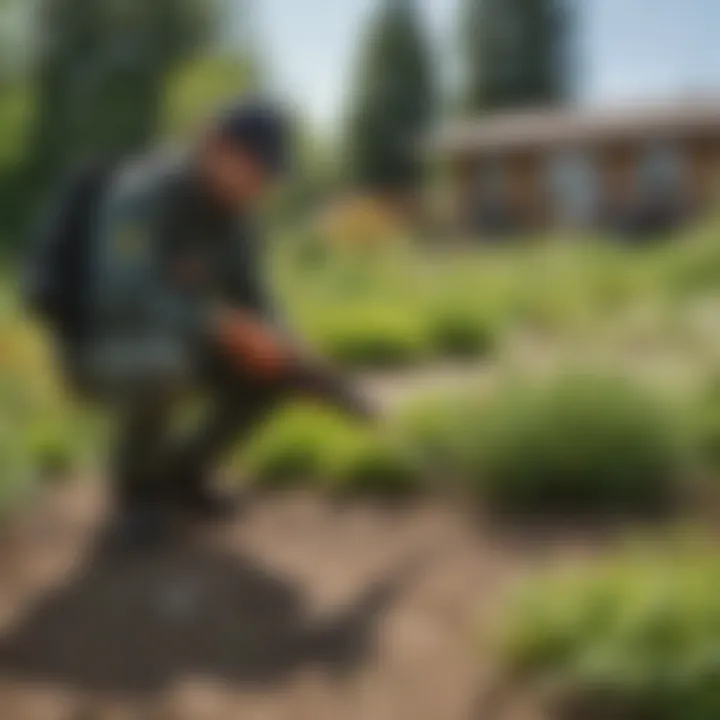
{"x": 633, "y": 169}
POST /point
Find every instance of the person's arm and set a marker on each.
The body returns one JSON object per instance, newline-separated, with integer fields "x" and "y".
{"x": 250, "y": 325}
{"x": 136, "y": 291}
{"x": 278, "y": 351}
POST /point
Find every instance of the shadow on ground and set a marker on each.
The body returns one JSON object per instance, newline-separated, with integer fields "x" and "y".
{"x": 136, "y": 625}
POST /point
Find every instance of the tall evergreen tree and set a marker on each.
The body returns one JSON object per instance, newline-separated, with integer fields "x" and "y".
{"x": 15, "y": 110}
{"x": 15, "y": 37}
{"x": 393, "y": 100}
{"x": 102, "y": 70}
{"x": 516, "y": 53}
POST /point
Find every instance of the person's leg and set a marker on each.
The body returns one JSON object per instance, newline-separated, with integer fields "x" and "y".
{"x": 237, "y": 406}
{"x": 137, "y": 456}
{"x": 136, "y": 472}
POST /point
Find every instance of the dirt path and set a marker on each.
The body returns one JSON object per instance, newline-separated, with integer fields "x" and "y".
{"x": 298, "y": 610}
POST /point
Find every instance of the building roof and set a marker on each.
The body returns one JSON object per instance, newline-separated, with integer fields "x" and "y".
{"x": 543, "y": 127}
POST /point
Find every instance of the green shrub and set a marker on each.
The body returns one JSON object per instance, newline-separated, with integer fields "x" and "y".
{"x": 292, "y": 449}
{"x": 579, "y": 442}
{"x": 460, "y": 331}
{"x": 705, "y": 423}
{"x": 693, "y": 266}
{"x": 312, "y": 446}
{"x": 440, "y": 429}
{"x": 15, "y": 475}
{"x": 366, "y": 463}
{"x": 372, "y": 336}
{"x": 637, "y": 638}
{"x": 53, "y": 449}
{"x": 709, "y": 438}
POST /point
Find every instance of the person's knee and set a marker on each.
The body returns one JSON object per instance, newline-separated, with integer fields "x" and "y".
{"x": 259, "y": 396}
{"x": 148, "y": 408}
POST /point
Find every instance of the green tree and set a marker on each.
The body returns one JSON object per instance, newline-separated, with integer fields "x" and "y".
{"x": 16, "y": 109}
{"x": 102, "y": 72}
{"x": 15, "y": 95}
{"x": 393, "y": 100}
{"x": 14, "y": 39}
{"x": 516, "y": 53}
{"x": 201, "y": 86}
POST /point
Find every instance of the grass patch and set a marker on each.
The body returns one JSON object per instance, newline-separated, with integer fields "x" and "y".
{"x": 291, "y": 450}
{"x": 370, "y": 464}
{"x": 311, "y": 446}
{"x": 461, "y": 331}
{"x": 638, "y": 637}
{"x": 372, "y": 336}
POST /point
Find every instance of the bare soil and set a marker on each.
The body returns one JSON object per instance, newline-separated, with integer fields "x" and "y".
{"x": 298, "y": 609}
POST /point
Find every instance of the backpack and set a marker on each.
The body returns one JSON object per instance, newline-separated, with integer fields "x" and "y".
{"x": 58, "y": 278}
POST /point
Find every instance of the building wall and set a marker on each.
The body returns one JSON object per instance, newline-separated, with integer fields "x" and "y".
{"x": 617, "y": 166}
{"x": 621, "y": 178}
{"x": 704, "y": 182}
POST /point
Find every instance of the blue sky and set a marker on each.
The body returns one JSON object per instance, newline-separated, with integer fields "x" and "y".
{"x": 628, "y": 49}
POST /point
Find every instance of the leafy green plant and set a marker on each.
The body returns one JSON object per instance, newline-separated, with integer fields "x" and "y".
{"x": 580, "y": 442}
{"x": 705, "y": 425}
{"x": 459, "y": 330}
{"x": 308, "y": 445}
{"x": 372, "y": 336}
{"x": 441, "y": 430}
{"x": 367, "y": 463}
{"x": 638, "y": 637}
{"x": 53, "y": 448}
{"x": 292, "y": 449}
{"x": 14, "y": 471}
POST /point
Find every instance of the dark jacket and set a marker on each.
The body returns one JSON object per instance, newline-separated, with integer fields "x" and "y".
{"x": 166, "y": 256}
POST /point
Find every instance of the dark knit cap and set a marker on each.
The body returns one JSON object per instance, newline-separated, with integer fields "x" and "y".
{"x": 261, "y": 128}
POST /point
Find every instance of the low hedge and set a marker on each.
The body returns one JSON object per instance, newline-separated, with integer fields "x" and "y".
{"x": 291, "y": 450}
{"x": 443, "y": 430}
{"x": 372, "y": 337}
{"x": 573, "y": 444}
{"x": 577, "y": 443}
{"x": 370, "y": 464}
{"x": 308, "y": 445}
{"x": 461, "y": 331}
{"x": 706, "y": 425}
{"x": 636, "y": 638}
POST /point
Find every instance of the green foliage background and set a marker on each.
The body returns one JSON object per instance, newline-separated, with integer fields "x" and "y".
{"x": 636, "y": 636}
{"x": 393, "y": 100}
{"x": 516, "y": 54}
